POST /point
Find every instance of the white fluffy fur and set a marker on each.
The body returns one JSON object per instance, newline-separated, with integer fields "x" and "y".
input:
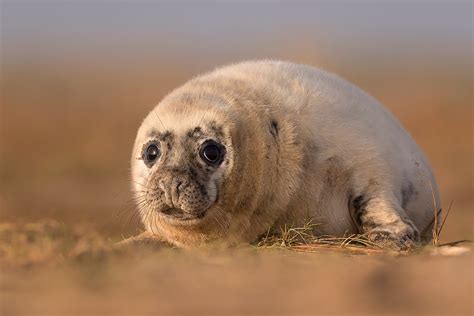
{"x": 334, "y": 143}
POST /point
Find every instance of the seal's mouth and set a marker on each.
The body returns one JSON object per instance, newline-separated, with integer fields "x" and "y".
{"x": 179, "y": 214}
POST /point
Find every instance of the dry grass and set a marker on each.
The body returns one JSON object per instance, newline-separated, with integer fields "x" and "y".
{"x": 303, "y": 239}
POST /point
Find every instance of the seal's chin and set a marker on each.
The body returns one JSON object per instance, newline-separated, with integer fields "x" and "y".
{"x": 176, "y": 214}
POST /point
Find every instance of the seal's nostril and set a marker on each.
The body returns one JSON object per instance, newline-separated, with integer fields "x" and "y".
{"x": 175, "y": 192}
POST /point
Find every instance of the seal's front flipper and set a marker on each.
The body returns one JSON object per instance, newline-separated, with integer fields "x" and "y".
{"x": 384, "y": 222}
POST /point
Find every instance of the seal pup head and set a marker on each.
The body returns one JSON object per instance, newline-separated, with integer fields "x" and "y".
{"x": 181, "y": 163}
{"x": 214, "y": 162}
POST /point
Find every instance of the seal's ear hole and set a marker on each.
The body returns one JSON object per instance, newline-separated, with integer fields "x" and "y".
{"x": 274, "y": 128}
{"x": 212, "y": 152}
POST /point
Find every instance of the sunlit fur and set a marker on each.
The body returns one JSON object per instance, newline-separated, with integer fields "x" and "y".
{"x": 301, "y": 144}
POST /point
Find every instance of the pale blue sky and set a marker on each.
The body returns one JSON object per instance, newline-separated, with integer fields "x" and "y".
{"x": 208, "y": 29}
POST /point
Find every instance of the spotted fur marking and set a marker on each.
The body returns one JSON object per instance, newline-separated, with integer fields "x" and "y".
{"x": 274, "y": 129}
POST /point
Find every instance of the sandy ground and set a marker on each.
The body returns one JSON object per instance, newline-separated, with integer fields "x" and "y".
{"x": 51, "y": 269}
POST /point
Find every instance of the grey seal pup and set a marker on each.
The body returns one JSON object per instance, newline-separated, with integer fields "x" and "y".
{"x": 257, "y": 145}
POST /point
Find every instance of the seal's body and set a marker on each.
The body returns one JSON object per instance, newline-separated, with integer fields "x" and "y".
{"x": 257, "y": 145}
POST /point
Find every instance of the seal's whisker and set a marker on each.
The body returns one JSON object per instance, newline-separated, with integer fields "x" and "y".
{"x": 221, "y": 219}
{"x": 148, "y": 211}
{"x": 154, "y": 111}
{"x": 125, "y": 208}
{"x": 202, "y": 119}
{"x": 140, "y": 184}
{"x": 128, "y": 212}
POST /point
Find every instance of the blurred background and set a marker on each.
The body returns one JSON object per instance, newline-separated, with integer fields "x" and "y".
{"x": 78, "y": 77}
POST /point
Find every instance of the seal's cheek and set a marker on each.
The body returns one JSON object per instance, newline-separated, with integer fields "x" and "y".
{"x": 214, "y": 185}
{"x": 140, "y": 176}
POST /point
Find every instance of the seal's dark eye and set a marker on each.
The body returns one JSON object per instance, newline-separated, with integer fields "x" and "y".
{"x": 151, "y": 154}
{"x": 212, "y": 153}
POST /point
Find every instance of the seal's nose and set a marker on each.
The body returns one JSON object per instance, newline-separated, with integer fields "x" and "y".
{"x": 165, "y": 188}
{"x": 175, "y": 190}
{"x": 172, "y": 187}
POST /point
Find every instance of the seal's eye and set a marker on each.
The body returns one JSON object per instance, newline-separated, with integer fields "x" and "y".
{"x": 212, "y": 153}
{"x": 151, "y": 154}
